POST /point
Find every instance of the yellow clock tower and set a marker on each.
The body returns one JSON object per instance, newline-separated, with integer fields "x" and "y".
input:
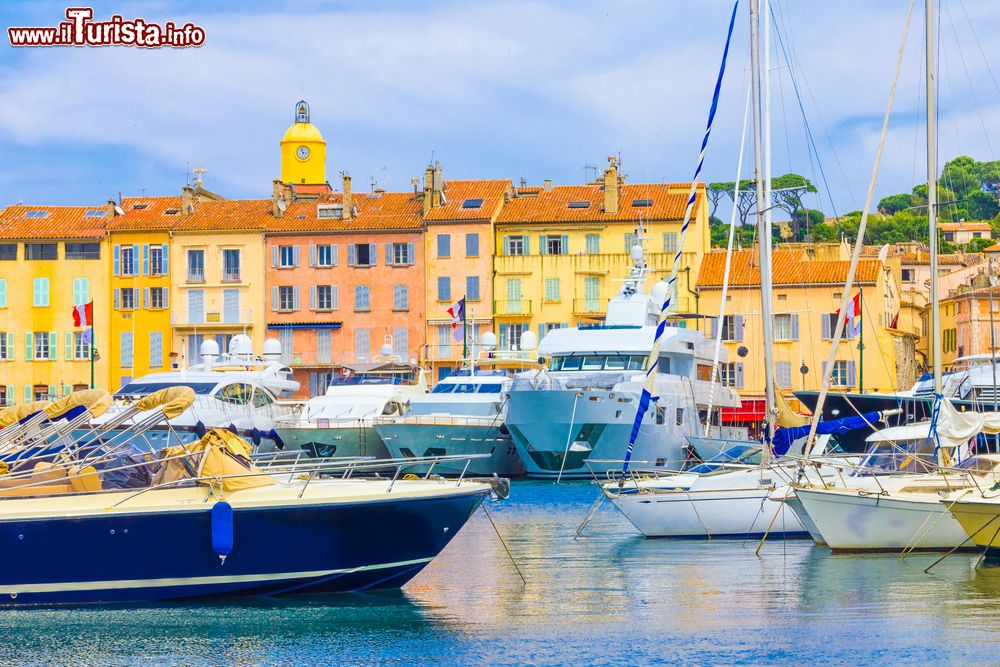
{"x": 303, "y": 151}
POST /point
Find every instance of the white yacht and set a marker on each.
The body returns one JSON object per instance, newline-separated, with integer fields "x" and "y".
{"x": 575, "y": 417}
{"x": 464, "y": 414}
{"x": 235, "y": 390}
{"x": 340, "y": 422}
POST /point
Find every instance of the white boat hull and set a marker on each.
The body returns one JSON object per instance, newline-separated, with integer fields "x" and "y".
{"x": 408, "y": 440}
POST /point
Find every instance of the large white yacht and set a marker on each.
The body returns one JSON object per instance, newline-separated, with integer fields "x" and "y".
{"x": 464, "y": 414}
{"x": 340, "y": 422}
{"x": 575, "y": 416}
{"x": 235, "y": 390}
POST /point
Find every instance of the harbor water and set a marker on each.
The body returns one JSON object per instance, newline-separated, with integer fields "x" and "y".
{"x": 607, "y": 598}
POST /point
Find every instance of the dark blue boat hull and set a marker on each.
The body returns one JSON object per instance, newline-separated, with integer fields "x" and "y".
{"x": 159, "y": 556}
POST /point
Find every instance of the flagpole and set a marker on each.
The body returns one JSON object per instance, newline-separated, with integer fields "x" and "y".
{"x": 465, "y": 329}
{"x": 92, "y": 356}
{"x": 861, "y": 341}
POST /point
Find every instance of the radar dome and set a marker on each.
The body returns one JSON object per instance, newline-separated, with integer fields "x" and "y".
{"x": 489, "y": 341}
{"x": 659, "y": 292}
{"x": 209, "y": 350}
{"x": 272, "y": 349}
{"x": 385, "y": 350}
{"x": 529, "y": 341}
{"x": 240, "y": 344}
{"x": 636, "y": 252}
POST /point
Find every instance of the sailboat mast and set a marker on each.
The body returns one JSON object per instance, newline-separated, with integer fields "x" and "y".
{"x": 763, "y": 220}
{"x": 935, "y": 323}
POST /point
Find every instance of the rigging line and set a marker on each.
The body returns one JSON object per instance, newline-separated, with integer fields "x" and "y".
{"x": 859, "y": 242}
{"x": 919, "y": 118}
{"x": 812, "y": 142}
{"x": 979, "y": 44}
{"x": 654, "y": 353}
{"x": 968, "y": 77}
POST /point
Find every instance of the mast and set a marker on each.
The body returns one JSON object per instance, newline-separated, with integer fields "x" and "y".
{"x": 763, "y": 223}
{"x": 935, "y": 323}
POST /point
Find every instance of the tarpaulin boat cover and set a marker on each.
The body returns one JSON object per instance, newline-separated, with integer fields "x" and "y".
{"x": 219, "y": 453}
{"x": 15, "y": 413}
{"x": 787, "y": 418}
{"x": 97, "y": 401}
{"x": 784, "y": 437}
{"x": 172, "y": 401}
{"x": 955, "y": 429}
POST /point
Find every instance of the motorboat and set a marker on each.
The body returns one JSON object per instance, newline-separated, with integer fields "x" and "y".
{"x": 341, "y": 421}
{"x": 203, "y": 520}
{"x": 573, "y": 417}
{"x": 463, "y": 414}
{"x": 236, "y": 390}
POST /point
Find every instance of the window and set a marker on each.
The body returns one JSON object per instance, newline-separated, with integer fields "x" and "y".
{"x": 517, "y": 245}
{"x": 285, "y": 256}
{"x": 444, "y": 341}
{"x": 326, "y": 297}
{"x": 592, "y": 294}
{"x": 732, "y": 328}
{"x": 287, "y": 298}
{"x": 127, "y": 298}
{"x": 551, "y": 289}
{"x": 8, "y": 252}
{"x": 326, "y": 255}
{"x": 908, "y": 275}
{"x": 783, "y": 374}
{"x": 158, "y": 260}
{"x": 155, "y": 349}
{"x": 41, "y": 293}
{"x": 472, "y": 288}
{"x": 41, "y": 251}
{"x": 196, "y": 311}
{"x": 829, "y": 325}
{"x": 230, "y": 264}
{"x": 400, "y": 297}
{"x": 41, "y": 392}
{"x": 444, "y": 245}
{"x": 43, "y": 349}
{"x": 786, "y": 327}
{"x": 157, "y": 298}
{"x": 362, "y": 298}
{"x": 83, "y": 251}
{"x": 81, "y": 291}
{"x": 401, "y": 342}
{"x": 287, "y": 339}
{"x": 546, "y": 327}
{"x": 126, "y": 260}
{"x": 578, "y": 204}
{"x": 329, "y": 211}
{"x": 472, "y": 203}
{"x": 196, "y": 265}
{"x": 593, "y": 244}
{"x": 842, "y": 374}
{"x": 642, "y": 202}
{"x": 3, "y": 292}
{"x": 361, "y": 254}
{"x": 36, "y": 214}
{"x": 402, "y": 254}
{"x": 324, "y": 348}
{"x": 949, "y": 237}
{"x": 444, "y": 288}
{"x": 731, "y": 374}
{"x": 510, "y": 335}
{"x": 231, "y": 306}
{"x": 80, "y": 345}
{"x": 977, "y": 235}
{"x": 555, "y": 245}
{"x": 362, "y": 344}
{"x": 472, "y": 245}
{"x": 630, "y": 240}
{"x": 670, "y": 242}
{"x": 6, "y": 345}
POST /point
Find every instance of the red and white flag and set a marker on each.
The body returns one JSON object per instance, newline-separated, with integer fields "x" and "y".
{"x": 83, "y": 316}
{"x": 457, "y": 312}
{"x": 852, "y": 316}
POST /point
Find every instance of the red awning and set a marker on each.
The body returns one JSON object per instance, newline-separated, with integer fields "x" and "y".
{"x": 751, "y": 410}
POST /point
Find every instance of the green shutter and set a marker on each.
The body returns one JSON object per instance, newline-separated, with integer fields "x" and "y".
{"x": 3, "y": 292}
{"x": 29, "y": 346}
{"x": 542, "y": 238}
{"x": 10, "y": 394}
{"x": 27, "y": 394}
{"x": 53, "y": 345}
{"x": 10, "y": 346}
{"x": 69, "y": 345}
{"x": 565, "y": 244}
{"x": 53, "y": 391}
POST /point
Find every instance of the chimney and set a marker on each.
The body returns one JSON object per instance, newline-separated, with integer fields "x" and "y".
{"x": 547, "y": 184}
{"x": 438, "y": 199}
{"x": 428, "y": 188}
{"x": 278, "y": 195}
{"x": 110, "y": 209}
{"x": 611, "y": 186}
{"x": 187, "y": 200}
{"x": 348, "y": 197}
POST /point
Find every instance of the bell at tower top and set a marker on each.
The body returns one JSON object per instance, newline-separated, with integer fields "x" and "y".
{"x": 302, "y": 112}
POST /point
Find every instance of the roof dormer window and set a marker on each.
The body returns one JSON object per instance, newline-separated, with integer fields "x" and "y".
{"x": 472, "y": 203}
{"x": 172, "y": 211}
{"x": 642, "y": 202}
{"x": 329, "y": 211}
{"x": 578, "y": 204}
{"x": 139, "y": 207}
{"x": 36, "y": 214}
{"x": 94, "y": 213}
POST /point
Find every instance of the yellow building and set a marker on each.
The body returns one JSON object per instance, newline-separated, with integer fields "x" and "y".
{"x": 303, "y": 151}
{"x": 806, "y": 296}
{"x": 561, "y": 249}
{"x": 52, "y": 258}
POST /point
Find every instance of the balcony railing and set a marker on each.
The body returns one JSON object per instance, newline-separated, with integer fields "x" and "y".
{"x": 196, "y": 275}
{"x": 515, "y": 308}
{"x": 590, "y": 306}
{"x": 231, "y": 275}
{"x": 213, "y": 318}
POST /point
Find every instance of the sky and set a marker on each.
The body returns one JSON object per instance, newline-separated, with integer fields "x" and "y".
{"x": 492, "y": 89}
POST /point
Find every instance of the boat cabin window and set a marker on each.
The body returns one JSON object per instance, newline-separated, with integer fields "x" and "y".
{"x": 602, "y": 362}
{"x": 237, "y": 393}
{"x": 143, "y": 388}
{"x": 261, "y": 398}
{"x": 977, "y": 464}
{"x": 491, "y": 388}
{"x": 746, "y": 454}
{"x": 443, "y": 388}
{"x": 913, "y": 456}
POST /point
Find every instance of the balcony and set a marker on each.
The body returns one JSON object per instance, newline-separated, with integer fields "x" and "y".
{"x": 216, "y": 319}
{"x": 516, "y": 308}
{"x": 196, "y": 275}
{"x": 593, "y": 307}
{"x": 231, "y": 275}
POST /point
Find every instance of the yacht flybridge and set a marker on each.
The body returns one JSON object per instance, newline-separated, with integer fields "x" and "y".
{"x": 574, "y": 417}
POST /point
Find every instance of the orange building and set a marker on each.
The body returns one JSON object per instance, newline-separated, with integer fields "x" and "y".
{"x": 345, "y": 277}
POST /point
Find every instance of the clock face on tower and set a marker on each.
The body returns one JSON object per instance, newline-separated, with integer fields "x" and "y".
{"x": 302, "y": 152}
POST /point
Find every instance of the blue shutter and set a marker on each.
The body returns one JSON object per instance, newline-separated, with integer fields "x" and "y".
{"x": 542, "y": 245}
{"x": 117, "y": 258}
{"x": 852, "y": 378}
{"x": 795, "y": 327}
{"x": 527, "y": 244}
{"x": 295, "y": 255}
{"x": 350, "y": 254}
{"x": 165, "y": 261}
{"x": 444, "y": 288}
{"x": 565, "y": 244}
{"x": 506, "y": 245}
{"x": 135, "y": 258}
{"x": 372, "y": 254}
{"x": 827, "y": 334}
{"x": 145, "y": 259}
{"x": 738, "y": 324}
{"x": 389, "y": 259}
{"x": 410, "y": 254}
{"x": 739, "y": 374}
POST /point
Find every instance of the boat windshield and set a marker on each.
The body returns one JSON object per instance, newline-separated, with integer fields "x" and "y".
{"x": 467, "y": 388}
{"x": 748, "y": 454}
{"x": 977, "y": 464}
{"x": 912, "y": 456}
{"x": 595, "y": 361}
{"x": 143, "y": 388}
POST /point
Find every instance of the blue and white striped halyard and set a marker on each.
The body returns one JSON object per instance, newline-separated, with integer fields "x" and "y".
{"x": 651, "y": 363}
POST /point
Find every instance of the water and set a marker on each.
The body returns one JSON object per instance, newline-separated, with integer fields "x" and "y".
{"x": 609, "y": 598}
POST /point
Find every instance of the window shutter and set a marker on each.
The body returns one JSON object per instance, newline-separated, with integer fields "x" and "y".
{"x": 410, "y": 254}
{"x": 165, "y": 260}
{"x": 350, "y": 254}
{"x": 295, "y": 297}
{"x": 29, "y": 346}
{"x": 3, "y": 292}
{"x": 10, "y": 346}
{"x": 565, "y": 244}
{"x": 274, "y": 298}
{"x": 795, "y": 327}
{"x": 166, "y": 297}
{"x": 852, "y": 379}
{"x": 527, "y": 244}
{"x": 333, "y": 254}
{"x": 506, "y": 244}
{"x": 739, "y": 374}
{"x": 312, "y": 254}
{"x": 713, "y": 324}
{"x": 335, "y": 297}
{"x": 826, "y": 326}
{"x": 389, "y": 259}
{"x": 53, "y": 345}
{"x": 822, "y": 371}
{"x": 145, "y": 259}
{"x": 135, "y": 258}
{"x": 738, "y": 323}
{"x": 295, "y": 255}
{"x": 146, "y": 299}
{"x": 312, "y": 297}
{"x": 372, "y": 254}
{"x": 274, "y": 256}
{"x": 10, "y": 394}
{"x": 116, "y": 260}
{"x": 312, "y": 384}
{"x": 69, "y": 346}
{"x": 27, "y": 394}
{"x": 542, "y": 245}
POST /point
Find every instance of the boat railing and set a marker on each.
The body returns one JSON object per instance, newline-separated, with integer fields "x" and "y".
{"x": 578, "y": 381}
{"x": 439, "y": 420}
{"x": 853, "y": 465}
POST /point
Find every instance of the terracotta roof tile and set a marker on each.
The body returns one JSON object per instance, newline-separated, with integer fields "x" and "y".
{"x": 789, "y": 267}
{"x": 146, "y": 214}
{"x": 228, "y": 215}
{"x": 964, "y": 226}
{"x": 668, "y": 201}
{"x": 53, "y": 222}
{"x": 388, "y": 211}
{"x": 456, "y": 193}
{"x": 993, "y": 248}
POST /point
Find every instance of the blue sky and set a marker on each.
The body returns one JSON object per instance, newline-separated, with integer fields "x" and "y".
{"x": 492, "y": 89}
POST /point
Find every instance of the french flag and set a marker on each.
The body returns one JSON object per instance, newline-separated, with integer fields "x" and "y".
{"x": 457, "y": 313}
{"x": 853, "y": 312}
{"x": 83, "y": 316}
